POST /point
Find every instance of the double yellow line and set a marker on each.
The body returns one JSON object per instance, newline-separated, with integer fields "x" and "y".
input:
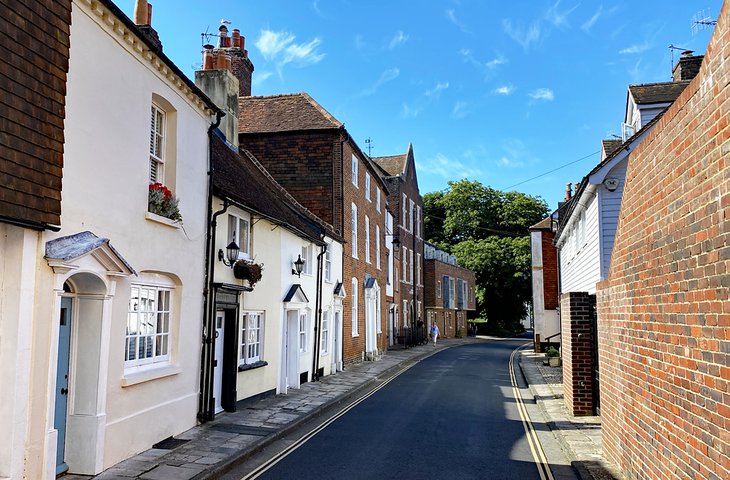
{"x": 541, "y": 462}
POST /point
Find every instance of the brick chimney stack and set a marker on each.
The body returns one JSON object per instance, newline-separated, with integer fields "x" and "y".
{"x": 230, "y": 54}
{"x": 687, "y": 67}
{"x": 143, "y": 20}
{"x": 568, "y": 191}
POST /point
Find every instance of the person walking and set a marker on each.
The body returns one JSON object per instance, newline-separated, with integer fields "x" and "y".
{"x": 434, "y": 332}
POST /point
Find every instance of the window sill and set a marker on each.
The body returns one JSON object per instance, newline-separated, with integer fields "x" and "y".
{"x": 252, "y": 366}
{"x": 153, "y": 217}
{"x": 146, "y": 375}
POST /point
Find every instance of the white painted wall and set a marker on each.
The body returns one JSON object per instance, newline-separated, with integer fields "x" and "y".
{"x": 579, "y": 259}
{"x": 546, "y": 322}
{"x": 105, "y": 183}
{"x": 610, "y": 203}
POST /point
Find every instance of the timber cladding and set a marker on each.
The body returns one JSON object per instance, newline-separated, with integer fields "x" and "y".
{"x": 664, "y": 311}
{"x": 33, "y": 67}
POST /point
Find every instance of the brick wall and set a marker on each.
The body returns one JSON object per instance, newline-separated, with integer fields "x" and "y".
{"x": 549, "y": 270}
{"x": 354, "y": 346}
{"x": 576, "y": 315}
{"x": 664, "y": 311}
{"x": 304, "y": 164}
{"x": 33, "y": 65}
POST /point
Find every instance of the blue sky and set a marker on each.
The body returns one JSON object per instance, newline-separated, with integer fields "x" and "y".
{"x": 498, "y": 92}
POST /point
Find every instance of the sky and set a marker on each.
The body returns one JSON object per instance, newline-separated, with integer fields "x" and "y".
{"x": 514, "y": 94}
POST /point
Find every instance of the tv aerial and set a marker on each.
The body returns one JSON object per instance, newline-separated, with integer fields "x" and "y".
{"x": 701, "y": 21}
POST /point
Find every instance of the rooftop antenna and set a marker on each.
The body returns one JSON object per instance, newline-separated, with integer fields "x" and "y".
{"x": 672, "y": 48}
{"x": 205, "y": 37}
{"x": 701, "y": 21}
{"x": 369, "y": 142}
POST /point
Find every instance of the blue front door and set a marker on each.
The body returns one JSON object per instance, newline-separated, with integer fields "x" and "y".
{"x": 64, "y": 345}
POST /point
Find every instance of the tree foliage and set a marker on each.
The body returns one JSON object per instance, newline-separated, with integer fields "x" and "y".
{"x": 487, "y": 231}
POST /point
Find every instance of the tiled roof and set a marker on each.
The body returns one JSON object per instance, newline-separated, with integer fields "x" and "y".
{"x": 544, "y": 224}
{"x": 610, "y": 145}
{"x": 664, "y": 92}
{"x": 393, "y": 165}
{"x": 242, "y": 178}
{"x": 283, "y": 113}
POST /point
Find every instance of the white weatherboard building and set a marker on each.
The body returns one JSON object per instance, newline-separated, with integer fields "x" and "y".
{"x": 118, "y": 291}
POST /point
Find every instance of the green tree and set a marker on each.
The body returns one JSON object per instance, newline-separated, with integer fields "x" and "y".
{"x": 487, "y": 231}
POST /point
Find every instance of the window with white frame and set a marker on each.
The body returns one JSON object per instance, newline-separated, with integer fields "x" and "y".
{"x": 367, "y": 239}
{"x": 465, "y": 292}
{"x": 307, "y": 256}
{"x": 328, "y": 264}
{"x": 303, "y": 332}
{"x": 252, "y": 334}
{"x": 367, "y": 186}
{"x": 377, "y": 199}
{"x": 388, "y": 270}
{"x": 411, "y": 265}
{"x": 157, "y": 144}
{"x": 147, "y": 338}
{"x": 354, "y": 298}
{"x": 418, "y": 221}
{"x": 239, "y": 231}
{"x": 377, "y": 247}
{"x": 325, "y": 332}
{"x": 404, "y": 213}
{"x": 354, "y": 170}
{"x": 353, "y": 226}
{"x": 418, "y": 269}
{"x": 452, "y": 292}
{"x": 411, "y": 211}
{"x": 438, "y": 288}
{"x": 405, "y": 265}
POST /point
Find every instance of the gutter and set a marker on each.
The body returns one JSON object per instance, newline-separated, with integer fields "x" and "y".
{"x": 29, "y": 224}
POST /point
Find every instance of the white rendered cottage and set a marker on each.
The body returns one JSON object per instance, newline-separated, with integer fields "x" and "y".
{"x": 117, "y": 317}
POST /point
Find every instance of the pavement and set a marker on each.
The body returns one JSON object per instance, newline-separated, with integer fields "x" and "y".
{"x": 210, "y": 450}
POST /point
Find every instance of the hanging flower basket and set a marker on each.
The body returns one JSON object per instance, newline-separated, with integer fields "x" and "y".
{"x": 247, "y": 270}
{"x": 161, "y": 201}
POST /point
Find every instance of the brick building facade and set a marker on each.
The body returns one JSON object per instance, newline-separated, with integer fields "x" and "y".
{"x": 313, "y": 157}
{"x": 665, "y": 308}
{"x": 405, "y": 309}
{"x": 448, "y": 293}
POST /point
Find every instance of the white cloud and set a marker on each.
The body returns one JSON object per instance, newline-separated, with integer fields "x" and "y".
{"x": 451, "y": 15}
{"x": 409, "y": 112}
{"x": 447, "y": 168}
{"x": 460, "y": 110}
{"x": 509, "y": 163}
{"x": 494, "y": 63}
{"x": 385, "y": 77}
{"x": 542, "y": 94}
{"x": 504, "y": 90}
{"x": 440, "y": 86}
{"x": 359, "y": 42}
{"x": 280, "y": 49}
{"x": 523, "y": 36}
{"x": 636, "y": 48}
{"x": 260, "y": 78}
{"x": 588, "y": 24}
{"x": 557, "y": 17}
{"x": 398, "y": 39}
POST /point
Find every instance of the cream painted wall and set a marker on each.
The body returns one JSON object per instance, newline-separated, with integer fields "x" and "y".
{"x": 105, "y": 182}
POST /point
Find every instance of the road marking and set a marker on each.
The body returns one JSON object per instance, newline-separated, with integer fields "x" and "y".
{"x": 264, "y": 467}
{"x": 541, "y": 462}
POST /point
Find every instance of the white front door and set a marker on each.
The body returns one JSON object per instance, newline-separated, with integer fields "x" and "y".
{"x": 218, "y": 360}
{"x": 337, "y": 347}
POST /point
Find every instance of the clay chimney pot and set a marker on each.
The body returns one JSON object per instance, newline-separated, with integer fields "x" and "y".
{"x": 141, "y": 12}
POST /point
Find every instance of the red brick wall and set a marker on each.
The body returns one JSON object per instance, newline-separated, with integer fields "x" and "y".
{"x": 354, "y": 347}
{"x": 304, "y": 163}
{"x": 664, "y": 311}
{"x": 33, "y": 66}
{"x": 451, "y": 322}
{"x": 549, "y": 270}
{"x": 576, "y": 315}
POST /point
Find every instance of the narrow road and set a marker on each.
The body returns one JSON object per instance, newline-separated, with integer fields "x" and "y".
{"x": 454, "y": 415}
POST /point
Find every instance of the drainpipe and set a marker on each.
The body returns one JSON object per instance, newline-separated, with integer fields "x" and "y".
{"x": 208, "y": 302}
{"x": 318, "y": 314}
